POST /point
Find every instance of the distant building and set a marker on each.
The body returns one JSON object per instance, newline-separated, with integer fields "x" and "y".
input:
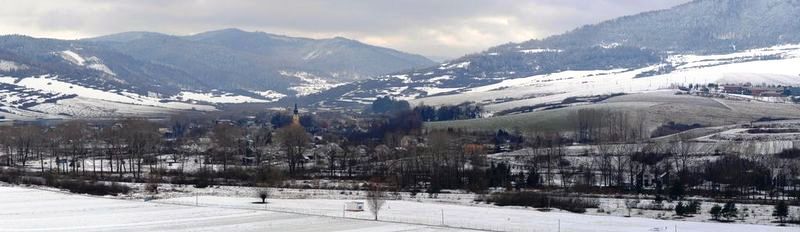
{"x": 296, "y": 116}
{"x": 791, "y": 91}
{"x": 766, "y": 92}
{"x": 734, "y": 89}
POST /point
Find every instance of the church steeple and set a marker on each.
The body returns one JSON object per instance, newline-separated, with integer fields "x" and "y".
{"x": 296, "y": 116}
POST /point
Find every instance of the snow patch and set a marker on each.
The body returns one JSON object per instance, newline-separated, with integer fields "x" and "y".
{"x": 73, "y": 57}
{"x": 216, "y": 98}
{"x": 311, "y": 83}
{"x": 539, "y": 50}
{"x": 90, "y": 62}
{"x": 461, "y": 65}
{"x": 272, "y": 96}
{"x": 9, "y": 66}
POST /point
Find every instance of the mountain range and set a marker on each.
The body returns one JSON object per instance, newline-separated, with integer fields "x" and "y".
{"x": 229, "y": 59}
{"x": 224, "y": 66}
{"x": 700, "y": 42}
{"x": 686, "y": 40}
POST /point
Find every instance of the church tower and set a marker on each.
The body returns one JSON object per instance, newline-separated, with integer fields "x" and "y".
{"x": 296, "y": 116}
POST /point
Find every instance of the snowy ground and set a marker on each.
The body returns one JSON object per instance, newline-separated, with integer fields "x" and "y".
{"x": 27, "y": 209}
{"x": 486, "y": 218}
{"x": 39, "y": 210}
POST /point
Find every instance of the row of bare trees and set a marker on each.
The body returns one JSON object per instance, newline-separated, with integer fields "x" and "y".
{"x": 70, "y": 147}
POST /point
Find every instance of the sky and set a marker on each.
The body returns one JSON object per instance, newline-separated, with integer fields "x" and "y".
{"x": 435, "y": 28}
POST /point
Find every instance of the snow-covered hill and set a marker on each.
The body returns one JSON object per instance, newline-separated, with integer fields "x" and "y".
{"x": 700, "y": 42}
{"x": 779, "y": 65}
{"x": 45, "y": 97}
{"x": 776, "y": 65}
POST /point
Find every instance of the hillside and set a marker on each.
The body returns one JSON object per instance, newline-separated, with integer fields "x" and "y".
{"x": 225, "y": 66}
{"x": 700, "y": 42}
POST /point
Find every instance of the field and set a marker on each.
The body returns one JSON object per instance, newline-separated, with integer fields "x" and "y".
{"x": 484, "y": 218}
{"x": 660, "y": 107}
{"x": 41, "y": 210}
{"x": 38, "y": 210}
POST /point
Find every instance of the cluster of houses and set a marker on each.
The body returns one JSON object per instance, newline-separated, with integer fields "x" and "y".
{"x": 761, "y": 91}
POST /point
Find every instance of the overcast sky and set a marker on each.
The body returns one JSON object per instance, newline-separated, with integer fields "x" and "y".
{"x": 435, "y": 28}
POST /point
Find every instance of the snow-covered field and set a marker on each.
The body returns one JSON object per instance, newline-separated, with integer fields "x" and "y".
{"x": 25, "y": 209}
{"x": 484, "y": 218}
{"x": 38, "y": 210}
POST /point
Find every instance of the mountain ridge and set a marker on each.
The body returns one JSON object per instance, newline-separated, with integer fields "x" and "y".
{"x": 647, "y": 40}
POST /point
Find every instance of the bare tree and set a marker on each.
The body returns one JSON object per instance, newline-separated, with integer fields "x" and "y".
{"x": 376, "y": 198}
{"x": 226, "y": 137}
{"x": 294, "y": 139}
{"x": 141, "y": 138}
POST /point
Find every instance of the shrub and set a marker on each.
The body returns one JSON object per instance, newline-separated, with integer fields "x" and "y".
{"x": 10, "y": 175}
{"x": 93, "y": 188}
{"x": 263, "y": 194}
{"x": 781, "y": 211}
{"x": 673, "y": 128}
{"x": 716, "y": 212}
{"x": 152, "y": 183}
{"x": 730, "y": 211}
{"x": 202, "y": 178}
{"x": 680, "y": 209}
{"x": 693, "y": 207}
{"x": 539, "y": 200}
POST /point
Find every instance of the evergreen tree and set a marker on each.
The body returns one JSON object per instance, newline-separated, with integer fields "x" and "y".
{"x": 677, "y": 190}
{"x": 715, "y": 212}
{"x": 781, "y": 211}
{"x": 693, "y": 207}
{"x": 680, "y": 209}
{"x": 730, "y": 211}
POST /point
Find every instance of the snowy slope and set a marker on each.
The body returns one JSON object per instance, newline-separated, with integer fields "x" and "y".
{"x": 90, "y": 62}
{"x": 50, "y": 97}
{"x": 777, "y": 65}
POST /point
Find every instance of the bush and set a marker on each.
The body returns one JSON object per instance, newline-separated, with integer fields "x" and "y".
{"x": 235, "y": 173}
{"x": 680, "y": 209}
{"x": 673, "y": 128}
{"x": 539, "y": 200}
{"x": 93, "y": 188}
{"x": 730, "y": 211}
{"x": 152, "y": 183}
{"x": 10, "y": 175}
{"x": 263, "y": 194}
{"x": 202, "y": 178}
{"x": 693, "y": 207}
{"x": 716, "y": 212}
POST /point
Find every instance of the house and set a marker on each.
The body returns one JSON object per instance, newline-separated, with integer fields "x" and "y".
{"x": 791, "y": 91}
{"x": 735, "y": 89}
{"x": 766, "y": 92}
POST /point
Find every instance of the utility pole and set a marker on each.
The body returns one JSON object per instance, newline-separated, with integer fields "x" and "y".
{"x": 442, "y": 216}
